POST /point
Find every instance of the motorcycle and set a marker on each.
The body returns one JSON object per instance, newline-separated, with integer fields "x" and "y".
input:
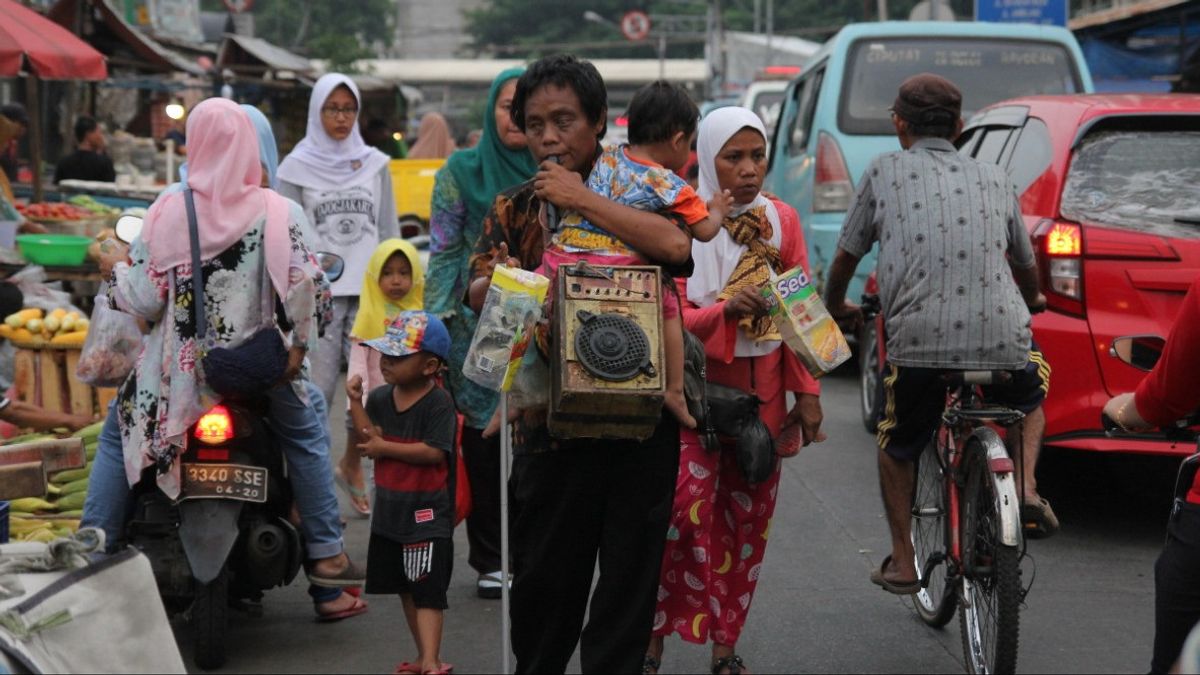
{"x": 230, "y": 535}
{"x": 1143, "y": 352}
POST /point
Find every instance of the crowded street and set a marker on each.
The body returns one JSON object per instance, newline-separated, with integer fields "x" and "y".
{"x": 1090, "y": 609}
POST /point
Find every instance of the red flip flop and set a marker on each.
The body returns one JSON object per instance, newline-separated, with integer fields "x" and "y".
{"x": 359, "y": 607}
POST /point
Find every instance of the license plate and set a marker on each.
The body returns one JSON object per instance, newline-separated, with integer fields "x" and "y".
{"x": 224, "y": 481}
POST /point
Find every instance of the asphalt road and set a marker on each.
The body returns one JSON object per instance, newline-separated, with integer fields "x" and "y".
{"x": 1090, "y": 608}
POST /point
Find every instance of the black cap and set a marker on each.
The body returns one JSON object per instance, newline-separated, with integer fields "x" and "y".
{"x": 928, "y": 99}
{"x": 15, "y": 112}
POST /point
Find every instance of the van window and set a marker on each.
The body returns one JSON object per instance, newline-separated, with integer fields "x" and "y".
{"x": 809, "y": 91}
{"x": 994, "y": 140}
{"x": 985, "y": 70}
{"x": 1031, "y": 155}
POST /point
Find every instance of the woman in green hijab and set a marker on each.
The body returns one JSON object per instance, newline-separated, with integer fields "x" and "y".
{"x": 465, "y": 189}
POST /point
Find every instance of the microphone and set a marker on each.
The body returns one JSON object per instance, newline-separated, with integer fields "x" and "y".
{"x": 551, "y": 209}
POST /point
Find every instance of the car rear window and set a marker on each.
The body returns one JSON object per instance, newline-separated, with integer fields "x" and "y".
{"x": 985, "y": 70}
{"x": 1147, "y": 181}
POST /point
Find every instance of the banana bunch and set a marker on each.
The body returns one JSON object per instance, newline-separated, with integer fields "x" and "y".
{"x": 57, "y": 513}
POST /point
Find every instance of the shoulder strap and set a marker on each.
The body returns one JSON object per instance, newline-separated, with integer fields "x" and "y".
{"x": 197, "y": 270}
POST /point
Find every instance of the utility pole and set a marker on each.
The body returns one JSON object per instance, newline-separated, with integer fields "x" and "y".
{"x": 719, "y": 45}
{"x": 771, "y": 30}
{"x": 883, "y": 15}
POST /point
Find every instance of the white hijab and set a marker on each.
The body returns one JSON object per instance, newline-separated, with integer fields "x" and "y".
{"x": 717, "y": 259}
{"x": 322, "y": 163}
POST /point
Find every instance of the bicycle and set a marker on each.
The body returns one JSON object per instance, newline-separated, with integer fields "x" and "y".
{"x": 966, "y": 524}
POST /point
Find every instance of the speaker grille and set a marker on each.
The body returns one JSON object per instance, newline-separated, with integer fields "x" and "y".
{"x": 612, "y": 347}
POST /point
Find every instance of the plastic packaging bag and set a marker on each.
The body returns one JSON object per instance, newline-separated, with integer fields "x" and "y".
{"x": 113, "y": 343}
{"x": 512, "y": 309}
{"x": 38, "y": 293}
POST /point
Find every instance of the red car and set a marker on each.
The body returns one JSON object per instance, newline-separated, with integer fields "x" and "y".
{"x": 1110, "y": 192}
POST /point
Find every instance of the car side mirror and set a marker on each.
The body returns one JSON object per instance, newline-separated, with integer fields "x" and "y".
{"x": 1140, "y": 351}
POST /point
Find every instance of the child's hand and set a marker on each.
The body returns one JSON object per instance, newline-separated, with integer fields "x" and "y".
{"x": 721, "y": 204}
{"x": 354, "y": 388}
{"x": 374, "y": 445}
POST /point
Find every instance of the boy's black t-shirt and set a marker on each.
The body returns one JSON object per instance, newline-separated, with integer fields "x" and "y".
{"x": 414, "y": 502}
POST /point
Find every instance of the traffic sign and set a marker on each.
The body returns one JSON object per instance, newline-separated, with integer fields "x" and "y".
{"x": 635, "y": 25}
{"x": 1043, "y": 12}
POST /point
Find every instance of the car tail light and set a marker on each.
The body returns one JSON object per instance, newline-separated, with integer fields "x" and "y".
{"x": 215, "y": 426}
{"x": 832, "y": 189}
{"x": 1060, "y": 259}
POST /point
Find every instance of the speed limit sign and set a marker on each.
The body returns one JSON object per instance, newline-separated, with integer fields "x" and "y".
{"x": 635, "y": 25}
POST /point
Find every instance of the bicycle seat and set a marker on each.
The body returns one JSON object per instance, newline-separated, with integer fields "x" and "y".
{"x": 958, "y": 378}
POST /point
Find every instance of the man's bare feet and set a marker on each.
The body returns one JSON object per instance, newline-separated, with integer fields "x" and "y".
{"x": 676, "y": 403}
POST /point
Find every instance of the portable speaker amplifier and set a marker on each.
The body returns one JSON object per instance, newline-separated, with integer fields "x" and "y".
{"x": 608, "y": 375}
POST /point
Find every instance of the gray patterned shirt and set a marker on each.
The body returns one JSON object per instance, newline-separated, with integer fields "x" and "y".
{"x": 947, "y": 226}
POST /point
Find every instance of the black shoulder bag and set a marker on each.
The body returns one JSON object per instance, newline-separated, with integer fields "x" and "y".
{"x": 252, "y": 367}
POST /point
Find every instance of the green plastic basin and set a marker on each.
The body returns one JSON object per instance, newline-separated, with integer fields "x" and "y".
{"x": 55, "y": 250}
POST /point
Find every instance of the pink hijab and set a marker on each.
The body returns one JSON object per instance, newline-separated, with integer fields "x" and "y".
{"x": 224, "y": 174}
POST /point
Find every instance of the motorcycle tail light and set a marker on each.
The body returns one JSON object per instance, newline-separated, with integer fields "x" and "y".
{"x": 215, "y": 426}
{"x": 212, "y": 455}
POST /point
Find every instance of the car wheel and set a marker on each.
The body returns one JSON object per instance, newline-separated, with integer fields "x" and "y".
{"x": 869, "y": 369}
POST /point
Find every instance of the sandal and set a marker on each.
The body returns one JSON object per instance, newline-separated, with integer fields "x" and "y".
{"x": 733, "y": 662}
{"x": 896, "y": 587}
{"x": 352, "y": 575}
{"x": 359, "y": 607}
{"x": 357, "y": 495}
{"x": 1038, "y": 519}
{"x": 650, "y": 665}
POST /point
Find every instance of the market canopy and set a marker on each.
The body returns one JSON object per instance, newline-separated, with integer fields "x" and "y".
{"x": 51, "y": 51}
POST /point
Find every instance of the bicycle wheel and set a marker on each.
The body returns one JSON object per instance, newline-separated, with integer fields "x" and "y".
{"x": 991, "y": 585}
{"x": 935, "y": 602}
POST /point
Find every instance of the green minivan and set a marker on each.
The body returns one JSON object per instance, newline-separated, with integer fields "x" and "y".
{"x": 836, "y": 117}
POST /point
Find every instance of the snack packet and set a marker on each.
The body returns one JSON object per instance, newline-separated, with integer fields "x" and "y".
{"x": 807, "y": 327}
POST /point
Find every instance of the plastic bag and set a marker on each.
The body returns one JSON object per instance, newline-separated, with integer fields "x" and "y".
{"x": 38, "y": 293}
{"x": 531, "y": 386}
{"x": 512, "y": 308}
{"x": 112, "y": 347}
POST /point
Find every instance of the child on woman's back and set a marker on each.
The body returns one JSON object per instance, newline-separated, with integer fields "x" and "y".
{"x": 394, "y": 282}
{"x": 408, "y": 429}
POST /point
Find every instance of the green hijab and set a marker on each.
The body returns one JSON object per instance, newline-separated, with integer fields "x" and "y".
{"x": 489, "y": 168}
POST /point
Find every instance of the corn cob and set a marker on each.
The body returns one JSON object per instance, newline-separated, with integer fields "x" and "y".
{"x": 72, "y": 501}
{"x": 64, "y": 477}
{"x": 73, "y": 487}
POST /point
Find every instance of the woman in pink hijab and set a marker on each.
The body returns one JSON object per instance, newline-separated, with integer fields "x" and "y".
{"x": 251, "y": 247}
{"x": 434, "y": 140}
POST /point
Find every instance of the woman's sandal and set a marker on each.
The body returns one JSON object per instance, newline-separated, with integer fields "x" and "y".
{"x": 650, "y": 665}
{"x": 733, "y": 662}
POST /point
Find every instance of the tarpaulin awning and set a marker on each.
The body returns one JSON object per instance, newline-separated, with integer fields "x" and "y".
{"x": 51, "y": 51}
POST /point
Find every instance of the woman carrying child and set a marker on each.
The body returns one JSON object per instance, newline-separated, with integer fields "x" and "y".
{"x": 720, "y": 522}
{"x": 346, "y": 191}
{"x": 408, "y": 426}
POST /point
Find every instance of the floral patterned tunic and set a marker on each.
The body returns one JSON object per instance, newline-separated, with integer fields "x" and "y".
{"x": 166, "y": 393}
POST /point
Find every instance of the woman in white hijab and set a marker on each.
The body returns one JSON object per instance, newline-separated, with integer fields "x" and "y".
{"x": 346, "y": 191}
{"x": 719, "y": 521}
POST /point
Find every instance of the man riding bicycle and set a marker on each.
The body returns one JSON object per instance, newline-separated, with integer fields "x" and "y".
{"x": 957, "y": 280}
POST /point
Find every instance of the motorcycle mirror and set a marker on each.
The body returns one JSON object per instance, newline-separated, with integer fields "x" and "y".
{"x": 332, "y": 264}
{"x": 128, "y": 228}
{"x": 1139, "y": 351}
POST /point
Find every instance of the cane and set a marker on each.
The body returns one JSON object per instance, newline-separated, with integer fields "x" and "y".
{"x": 505, "y": 448}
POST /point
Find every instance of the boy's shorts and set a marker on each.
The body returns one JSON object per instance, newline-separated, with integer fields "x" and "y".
{"x": 421, "y": 569}
{"x": 912, "y": 401}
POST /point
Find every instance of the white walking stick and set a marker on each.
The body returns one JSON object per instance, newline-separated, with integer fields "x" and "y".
{"x": 505, "y": 449}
